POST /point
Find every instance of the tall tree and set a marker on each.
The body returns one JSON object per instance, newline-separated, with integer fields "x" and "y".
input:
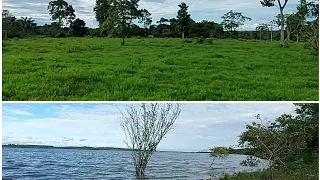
{"x": 296, "y": 21}
{"x": 63, "y": 12}
{"x": 145, "y": 19}
{"x": 120, "y": 16}
{"x": 232, "y": 20}
{"x": 145, "y": 126}
{"x": 271, "y": 26}
{"x": 281, "y": 5}
{"x": 183, "y": 18}
{"x": 101, "y": 10}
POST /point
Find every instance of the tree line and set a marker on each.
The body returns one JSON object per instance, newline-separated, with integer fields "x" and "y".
{"x": 121, "y": 18}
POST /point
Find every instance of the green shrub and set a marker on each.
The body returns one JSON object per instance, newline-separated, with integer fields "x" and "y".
{"x": 209, "y": 41}
{"x": 60, "y": 35}
{"x": 187, "y": 41}
{"x": 200, "y": 40}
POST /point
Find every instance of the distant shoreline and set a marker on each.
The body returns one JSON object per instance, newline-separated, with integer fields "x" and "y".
{"x": 64, "y": 147}
{"x": 79, "y": 148}
{"x": 234, "y": 151}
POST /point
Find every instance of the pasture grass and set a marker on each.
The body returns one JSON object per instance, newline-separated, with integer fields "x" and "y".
{"x": 89, "y": 69}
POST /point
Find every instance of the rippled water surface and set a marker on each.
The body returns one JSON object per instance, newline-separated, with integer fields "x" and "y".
{"x": 32, "y": 163}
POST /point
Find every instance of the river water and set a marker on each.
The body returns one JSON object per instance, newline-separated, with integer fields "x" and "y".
{"x": 46, "y": 164}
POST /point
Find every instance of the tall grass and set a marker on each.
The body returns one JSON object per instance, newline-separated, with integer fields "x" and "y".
{"x": 156, "y": 69}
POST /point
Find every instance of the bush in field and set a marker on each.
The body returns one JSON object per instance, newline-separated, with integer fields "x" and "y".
{"x": 95, "y": 32}
{"x": 200, "y": 40}
{"x": 209, "y": 41}
{"x": 60, "y": 35}
{"x": 187, "y": 41}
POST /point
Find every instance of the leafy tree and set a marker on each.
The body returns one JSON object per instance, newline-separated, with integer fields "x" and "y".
{"x": 232, "y": 20}
{"x": 284, "y": 138}
{"x": 163, "y": 21}
{"x": 269, "y": 141}
{"x": 206, "y": 29}
{"x": 262, "y": 28}
{"x": 120, "y": 16}
{"x": 312, "y": 29}
{"x": 281, "y": 5}
{"x": 60, "y": 10}
{"x": 101, "y": 10}
{"x": 295, "y": 22}
{"x": 78, "y": 28}
{"x": 8, "y": 24}
{"x": 183, "y": 18}
{"x": 145, "y": 19}
{"x": 145, "y": 126}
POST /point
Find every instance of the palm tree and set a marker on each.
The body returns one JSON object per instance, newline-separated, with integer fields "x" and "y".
{"x": 26, "y": 24}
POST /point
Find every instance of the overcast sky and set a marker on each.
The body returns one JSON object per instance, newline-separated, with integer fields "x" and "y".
{"x": 210, "y": 10}
{"x": 199, "y": 126}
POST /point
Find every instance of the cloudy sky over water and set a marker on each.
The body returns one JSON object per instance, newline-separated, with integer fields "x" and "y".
{"x": 199, "y": 126}
{"x": 210, "y": 10}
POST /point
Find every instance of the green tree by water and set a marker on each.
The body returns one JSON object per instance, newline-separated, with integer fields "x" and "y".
{"x": 219, "y": 153}
{"x": 289, "y": 139}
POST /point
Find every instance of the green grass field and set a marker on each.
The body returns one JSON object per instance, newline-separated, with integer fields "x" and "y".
{"x": 156, "y": 69}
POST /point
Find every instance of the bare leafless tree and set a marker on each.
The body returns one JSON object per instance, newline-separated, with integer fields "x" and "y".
{"x": 145, "y": 125}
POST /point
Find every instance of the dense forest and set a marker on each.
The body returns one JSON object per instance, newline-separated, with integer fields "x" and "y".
{"x": 123, "y": 18}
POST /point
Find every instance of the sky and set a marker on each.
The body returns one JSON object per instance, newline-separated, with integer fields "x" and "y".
{"x": 199, "y": 126}
{"x": 210, "y": 10}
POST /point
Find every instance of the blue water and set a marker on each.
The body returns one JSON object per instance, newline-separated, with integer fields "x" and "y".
{"x": 33, "y": 163}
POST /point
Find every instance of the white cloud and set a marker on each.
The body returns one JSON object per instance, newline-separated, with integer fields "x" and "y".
{"x": 205, "y": 9}
{"x": 17, "y": 112}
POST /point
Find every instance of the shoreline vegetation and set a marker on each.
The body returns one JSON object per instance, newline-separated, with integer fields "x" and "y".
{"x": 290, "y": 143}
{"x": 307, "y": 169}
